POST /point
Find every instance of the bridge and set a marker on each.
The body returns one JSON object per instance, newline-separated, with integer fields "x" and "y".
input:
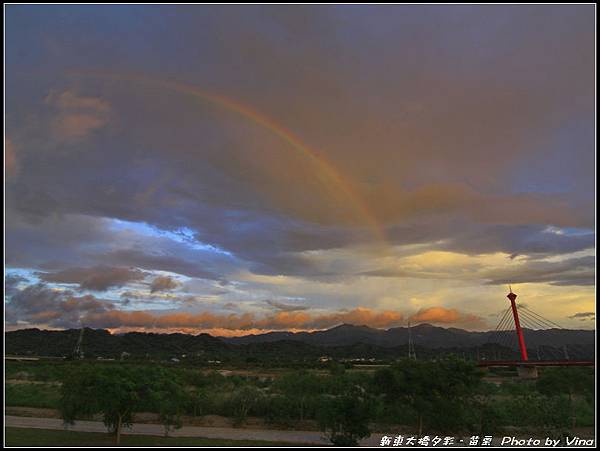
{"x": 505, "y": 334}
{"x": 534, "y": 363}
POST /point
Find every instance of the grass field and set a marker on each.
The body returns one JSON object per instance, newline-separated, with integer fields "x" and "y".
{"x": 32, "y": 395}
{"x": 46, "y": 437}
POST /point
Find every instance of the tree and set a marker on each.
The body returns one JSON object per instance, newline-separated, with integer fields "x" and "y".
{"x": 336, "y": 368}
{"x": 244, "y": 399}
{"x": 344, "y": 419}
{"x": 299, "y": 387}
{"x": 112, "y": 392}
{"x": 280, "y": 410}
{"x": 485, "y": 411}
{"x": 438, "y": 392}
{"x": 117, "y": 392}
{"x": 549, "y": 415}
{"x": 566, "y": 381}
{"x": 169, "y": 398}
{"x": 196, "y": 402}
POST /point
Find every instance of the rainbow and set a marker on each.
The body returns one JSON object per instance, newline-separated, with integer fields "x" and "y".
{"x": 328, "y": 171}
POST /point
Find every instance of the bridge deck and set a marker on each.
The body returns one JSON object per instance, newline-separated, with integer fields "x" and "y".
{"x": 486, "y": 363}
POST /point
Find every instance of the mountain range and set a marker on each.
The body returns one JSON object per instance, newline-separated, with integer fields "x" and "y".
{"x": 344, "y": 341}
{"x": 425, "y": 335}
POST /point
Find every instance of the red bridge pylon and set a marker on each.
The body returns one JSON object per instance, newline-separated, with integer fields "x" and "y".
{"x": 515, "y": 313}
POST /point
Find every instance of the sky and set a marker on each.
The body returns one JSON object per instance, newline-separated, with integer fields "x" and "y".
{"x": 241, "y": 169}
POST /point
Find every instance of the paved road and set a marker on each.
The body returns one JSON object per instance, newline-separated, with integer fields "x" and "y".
{"x": 272, "y": 435}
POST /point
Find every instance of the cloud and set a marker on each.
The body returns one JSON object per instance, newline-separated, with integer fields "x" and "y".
{"x": 532, "y": 239}
{"x": 41, "y": 305}
{"x": 584, "y": 315}
{"x": 11, "y": 283}
{"x": 568, "y": 272}
{"x": 286, "y": 307}
{"x": 246, "y": 321}
{"x": 442, "y": 315}
{"x": 284, "y": 320}
{"x": 163, "y": 283}
{"x": 11, "y": 164}
{"x": 99, "y": 278}
{"x": 160, "y": 262}
{"x": 491, "y": 269}
{"x": 443, "y": 200}
{"x": 361, "y": 136}
{"x": 77, "y": 126}
{"x": 77, "y": 116}
{"x": 359, "y": 316}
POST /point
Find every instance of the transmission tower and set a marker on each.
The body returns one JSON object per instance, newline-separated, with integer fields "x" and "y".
{"x": 412, "y": 355}
{"x": 78, "y": 351}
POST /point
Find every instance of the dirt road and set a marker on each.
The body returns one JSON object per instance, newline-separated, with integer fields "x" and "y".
{"x": 272, "y": 435}
{"x": 305, "y": 437}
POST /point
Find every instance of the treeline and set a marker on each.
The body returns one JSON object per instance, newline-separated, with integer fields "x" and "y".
{"x": 445, "y": 397}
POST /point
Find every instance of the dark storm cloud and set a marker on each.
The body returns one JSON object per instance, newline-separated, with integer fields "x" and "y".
{"x": 99, "y": 278}
{"x": 11, "y": 282}
{"x": 573, "y": 271}
{"x": 50, "y": 241}
{"x": 519, "y": 240}
{"x": 170, "y": 263}
{"x": 163, "y": 283}
{"x": 41, "y": 305}
{"x": 458, "y": 235}
{"x": 469, "y": 129}
{"x": 75, "y": 117}
{"x": 484, "y": 125}
{"x": 56, "y": 243}
{"x": 567, "y": 272}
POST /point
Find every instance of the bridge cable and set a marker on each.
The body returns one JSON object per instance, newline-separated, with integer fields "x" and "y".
{"x": 542, "y": 318}
{"x": 532, "y": 320}
{"x": 502, "y": 319}
{"x": 548, "y": 324}
{"x": 508, "y": 336}
{"x": 497, "y": 337}
{"x": 508, "y": 339}
{"x": 493, "y": 337}
{"x": 502, "y": 336}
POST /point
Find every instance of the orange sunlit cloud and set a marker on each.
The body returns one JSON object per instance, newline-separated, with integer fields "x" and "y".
{"x": 247, "y": 323}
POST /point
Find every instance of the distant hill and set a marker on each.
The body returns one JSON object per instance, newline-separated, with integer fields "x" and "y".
{"x": 424, "y": 335}
{"x": 343, "y": 342}
{"x": 101, "y": 343}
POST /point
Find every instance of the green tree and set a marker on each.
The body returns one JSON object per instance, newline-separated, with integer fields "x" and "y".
{"x": 438, "y": 392}
{"x": 299, "y": 388}
{"x": 566, "y": 381}
{"x": 548, "y": 415}
{"x": 344, "y": 419}
{"x": 484, "y": 411}
{"x": 243, "y": 400}
{"x": 88, "y": 390}
{"x": 196, "y": 402}
{"x": 170, "y": 399}
{"x": 117, "y": 392}
{"x": 336, "y": 368}
{"x": 280, "y": 410}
